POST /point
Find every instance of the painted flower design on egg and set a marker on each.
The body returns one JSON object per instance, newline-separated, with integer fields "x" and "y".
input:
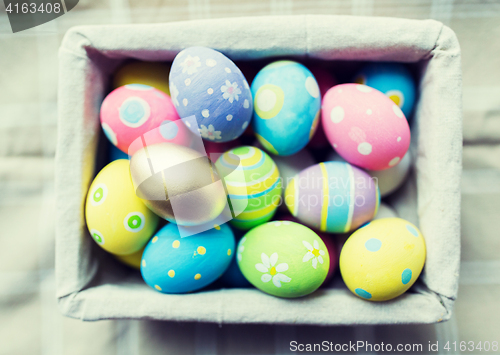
{"x": 209, "y": 132}
{"x": 271, "y": 271}
{"x": 190, "y": 65}
{"x": 314, "y": 253}
{"x": 241, "y": 248}
{"x": 230, "y": 91}
{"x": 174, "y": 93}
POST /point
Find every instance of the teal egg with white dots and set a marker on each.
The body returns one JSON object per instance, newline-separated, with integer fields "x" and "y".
{"x": 172, "y": 264}
{"x": 287, "y": 104}
{"x": 383, "y": 259}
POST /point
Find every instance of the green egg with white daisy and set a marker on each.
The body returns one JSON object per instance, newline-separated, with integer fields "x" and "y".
{"x": 283, "y": 259}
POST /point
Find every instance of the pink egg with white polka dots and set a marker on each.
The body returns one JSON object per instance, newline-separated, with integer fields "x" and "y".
{"x": 365, "y": 127}
{"x": 136, "y": 110}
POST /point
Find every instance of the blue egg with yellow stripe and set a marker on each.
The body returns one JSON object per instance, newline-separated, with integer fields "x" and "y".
{"x": 394, "y": 80}
{"x": 286, "y": 107}
{"x": 333, "y": 197}
{"x": 253, "y": 183}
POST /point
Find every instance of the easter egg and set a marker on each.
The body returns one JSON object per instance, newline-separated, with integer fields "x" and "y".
{"x": 365, "y": 127}
{"x": 153, "y": 74}
{"x": 132, "y": 260}
{"x": 287, "y": 107}
{"x": 283, "y": 258}
{"x": 389, "y": 180}
{"x": 256, "y": 191}
{"x": 178, "y": 183}
{"x": 206, "y": 84}
{"x": 136, "y": 110}
{"x": 394, "y": 80}
{"x": 117, "y": 219}
{"x": 333, "y": 197}
{"x": 171, "y": 264}
{"x": 382, "y": 260}
{"x": 331, "y": 247}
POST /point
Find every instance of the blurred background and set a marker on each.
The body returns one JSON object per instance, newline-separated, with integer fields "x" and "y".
{"x": 29, "y": 320}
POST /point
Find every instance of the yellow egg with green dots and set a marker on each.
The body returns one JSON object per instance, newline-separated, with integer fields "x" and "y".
{"x": 253, "y": 184}
{"x": 117, "y": 219}
{"x": 383, "y": 259}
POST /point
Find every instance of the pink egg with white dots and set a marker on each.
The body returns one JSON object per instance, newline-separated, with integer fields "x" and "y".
{"x": 364, "y": 126}
{"x": 136, "y": 110}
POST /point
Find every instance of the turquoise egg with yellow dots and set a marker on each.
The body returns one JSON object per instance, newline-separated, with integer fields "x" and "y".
{"x": 172, "y": 264}
{"x": 117, "y": 219}
{"x": 383, "y": 259}
{"x": 287, "y": 105}
{"x": 253, "y": 184}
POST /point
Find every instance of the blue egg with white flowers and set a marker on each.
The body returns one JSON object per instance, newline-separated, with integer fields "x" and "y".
{"x": 287, "y": 105}
{"x": 172, "y": 264}
{"x": 394, "y": 80}
{"x": 206, "y": 84}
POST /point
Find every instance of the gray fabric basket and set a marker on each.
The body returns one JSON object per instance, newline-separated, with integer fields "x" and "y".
{"x": 91, "y": 286}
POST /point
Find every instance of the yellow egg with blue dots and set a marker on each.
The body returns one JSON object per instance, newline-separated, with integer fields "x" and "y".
{"x": 383, "y": 259}
{"x": 118, "y": 220}
{"x": 253, "y": 184}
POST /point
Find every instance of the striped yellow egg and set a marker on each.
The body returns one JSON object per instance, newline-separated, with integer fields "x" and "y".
{"x": 117, "y": 219}
{"x": 253, "y": 183}
{"x": 383, "y": 259}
